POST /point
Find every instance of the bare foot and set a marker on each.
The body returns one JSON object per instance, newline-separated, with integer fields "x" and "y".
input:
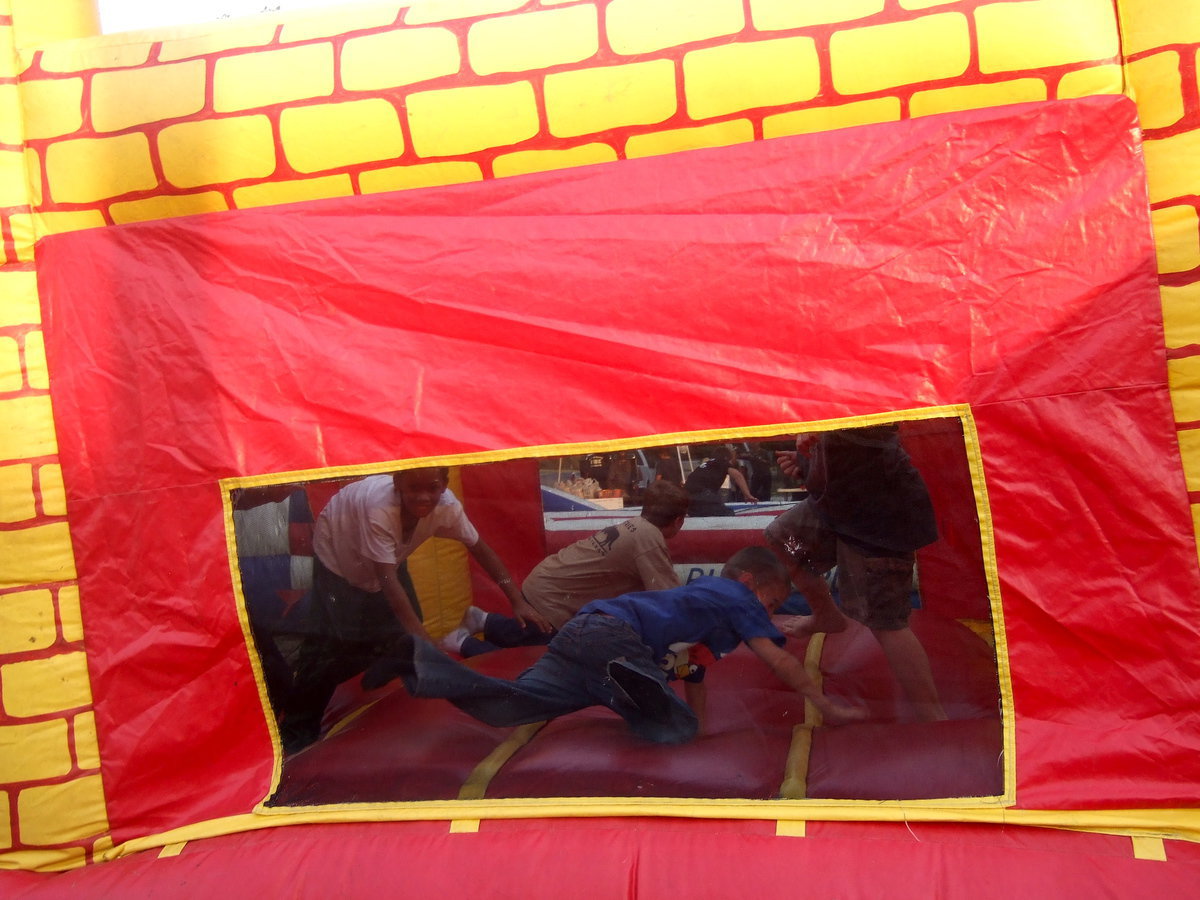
{"x": 805, "y": 626}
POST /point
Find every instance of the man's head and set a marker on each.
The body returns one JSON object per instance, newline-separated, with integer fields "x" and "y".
{"x": 759, "y": 569}
{"x": 665, "y": 505}
{"x": 420, "y": 489}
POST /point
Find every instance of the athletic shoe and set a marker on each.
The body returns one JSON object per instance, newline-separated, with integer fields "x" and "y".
{"x": 473, "y": 620}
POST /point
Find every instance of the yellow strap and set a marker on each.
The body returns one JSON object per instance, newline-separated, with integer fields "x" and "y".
{"x": 475, "y": 787}
{"x": 172, "y": 850}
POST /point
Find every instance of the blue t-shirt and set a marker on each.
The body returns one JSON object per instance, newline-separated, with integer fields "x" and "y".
{"x": 688, "y": 627}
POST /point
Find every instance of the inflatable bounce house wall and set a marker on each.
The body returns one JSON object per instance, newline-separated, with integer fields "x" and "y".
{"x": 294, "y": 249}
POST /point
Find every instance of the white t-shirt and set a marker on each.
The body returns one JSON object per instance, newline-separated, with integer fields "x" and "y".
{"x": 361, "y": 526}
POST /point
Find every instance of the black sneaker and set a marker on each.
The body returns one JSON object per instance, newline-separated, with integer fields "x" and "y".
{"x": 646, "y": 691}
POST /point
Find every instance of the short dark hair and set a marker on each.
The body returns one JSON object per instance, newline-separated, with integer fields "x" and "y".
{"x": 759, "y": 562}
{"x": 664, "y": 502}
{"x": 443, "y": 471}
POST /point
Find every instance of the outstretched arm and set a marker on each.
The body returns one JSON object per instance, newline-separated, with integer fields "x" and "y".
{"x": 399, "y": 600}
{"x": 791, "y": 672}
{"x": 494, "y": 566}
{"x": 739, "y": 480}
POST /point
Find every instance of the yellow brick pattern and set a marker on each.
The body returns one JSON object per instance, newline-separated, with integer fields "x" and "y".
{"x": 828, "y": 118}
{"x": 60, "y": 813}
{"x": 35, "y": 751}
{"x": 20, "y": 305}
{"x": 1181, "y": 314}
{"x": 400, "y": 178}
{"x": 27, "y": 622}
{"x": 35, "y": 361}
{"x": 68, "y": 613}
{"x": 525, "y": 161}
{"x": 1177, "y": 234}
{"x": 250, "y": 80}
{"x": 52, "y": 108}
{"x": 17, "y": 502}
{"x": 380, "y": 61}
{"x": 1157, "y": 86}
{"x": 735, "y": 77}
{"x": 596, "y": 99}
{"x": 36, "y": 555}
{"x": 643, "y": 26}
{"x": 89, "y": 169}
{"x": 535, "y": 40}
{"x": 1183, "y": 375}
{"x": 1148, "y": 24}
{"x": 217, "y": 150}
{"x": 52, "y": 490}
{"x": 722, "y": 134}
{"x": 1189, "y": 446}
{"x": 164, "y": 92}
{"x": 37, "y": 687}
{"x": 1104, "y": 79}
{"x": 87, "y": 749}
{"x": 330, "y": 135}
{"x": 770, "y": 15}
{"x": 13, "y": 191}
{"x": 10, "y": 365}
{"x": 457, "y": 121}
{"x": 26, "y": 428}
{"x": 1170, "y": 165}
{"x": 166, "y": 206}
{"x": 12, "y": 129}
{"x": 1052, "y": 33}
{"x": 976, "y": 96}
{"x": 879, "y": 57}
{"x": 38, "y": 226}
{"x": 275, "y": 192}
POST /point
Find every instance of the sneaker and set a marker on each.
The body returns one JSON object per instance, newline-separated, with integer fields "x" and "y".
{"x": 473, "y": 620}
{"x": 646, "y": 692}
{"x": 452, "y": 643}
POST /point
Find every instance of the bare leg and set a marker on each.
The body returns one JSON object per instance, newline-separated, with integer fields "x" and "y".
{"x": 910, "y": 665}
{"x": 826, "y": 617}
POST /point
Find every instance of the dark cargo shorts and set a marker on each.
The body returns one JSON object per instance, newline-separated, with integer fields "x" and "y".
{"x": 874, "y": 590}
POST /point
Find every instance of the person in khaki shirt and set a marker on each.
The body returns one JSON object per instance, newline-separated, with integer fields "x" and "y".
{"x": 620, "y": 559}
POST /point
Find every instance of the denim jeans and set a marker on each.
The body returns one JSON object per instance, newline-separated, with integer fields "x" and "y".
{"x": 572, "y": 675}
{"x": 502, "y": 631}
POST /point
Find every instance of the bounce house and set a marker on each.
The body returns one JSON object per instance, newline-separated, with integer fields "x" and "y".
{"x": 247, "y": 264}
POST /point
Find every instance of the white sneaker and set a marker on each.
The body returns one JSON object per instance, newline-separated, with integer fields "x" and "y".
{"x": 473, "y": 620}
{"x": 452, "y": 643}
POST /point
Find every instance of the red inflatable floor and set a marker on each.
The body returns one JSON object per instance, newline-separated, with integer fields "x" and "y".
{"x": 397, "y": 748}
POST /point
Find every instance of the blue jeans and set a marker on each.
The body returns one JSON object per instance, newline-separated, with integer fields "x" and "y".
{"x": 502, "y": 631}
{"x": 573, "y": 674}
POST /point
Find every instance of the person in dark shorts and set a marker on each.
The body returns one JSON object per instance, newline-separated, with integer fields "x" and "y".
{"x": 867, "y": 512}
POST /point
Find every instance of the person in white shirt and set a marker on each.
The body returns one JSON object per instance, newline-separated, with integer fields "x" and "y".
{"x": 363, "y": 599}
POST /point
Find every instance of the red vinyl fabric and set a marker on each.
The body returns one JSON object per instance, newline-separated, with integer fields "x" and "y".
{"x": 634, "y": 858}
{"x": 1000, "y": 260}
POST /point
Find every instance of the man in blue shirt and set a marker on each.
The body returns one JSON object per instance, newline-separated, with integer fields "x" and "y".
{"x": 622, "y": 653}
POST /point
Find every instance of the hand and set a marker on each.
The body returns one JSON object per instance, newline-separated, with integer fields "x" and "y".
{"x": 787, "y": 461}
{"x": 525, "y": 614}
